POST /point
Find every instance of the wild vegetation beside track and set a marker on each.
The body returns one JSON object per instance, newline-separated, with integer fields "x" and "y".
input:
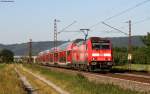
{"x": 9, "y": 82}
{"x": 38, "y": 85}
{"x": 2, "y": 66}
{"x": 140, "y": 55}
{"x": 134, "y": 67}
{"x": 78, "y": 84}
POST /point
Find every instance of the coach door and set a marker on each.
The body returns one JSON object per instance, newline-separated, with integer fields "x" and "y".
{"x": 69, "y": 56}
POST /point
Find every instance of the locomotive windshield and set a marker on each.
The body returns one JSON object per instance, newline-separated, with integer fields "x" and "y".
{"x": 101, "y": 44}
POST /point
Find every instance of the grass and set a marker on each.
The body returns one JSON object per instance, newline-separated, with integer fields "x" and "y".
{"x": 78, "y": 84}
{"x": 9, "y": 82}
{"x": 38, "y": 85}
{"x": 2, "y": 66}
{"x": 136, "y": 67}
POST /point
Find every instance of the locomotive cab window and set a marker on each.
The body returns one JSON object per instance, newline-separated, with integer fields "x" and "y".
{"x": 100, "y": 45}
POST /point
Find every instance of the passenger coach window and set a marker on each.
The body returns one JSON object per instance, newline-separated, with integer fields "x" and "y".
{"x": 86, "y": 46}
{"x": 68, "y": 53}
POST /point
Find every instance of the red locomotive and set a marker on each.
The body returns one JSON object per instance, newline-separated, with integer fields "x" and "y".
{"x": 93, "y": 54}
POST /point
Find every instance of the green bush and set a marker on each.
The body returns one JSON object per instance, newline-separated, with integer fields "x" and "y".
{"x": 6, "y": 56}
{"x": 140, "y": 55}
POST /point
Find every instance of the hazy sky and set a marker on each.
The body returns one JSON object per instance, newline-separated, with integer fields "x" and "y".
{"x": 34, "y": 19}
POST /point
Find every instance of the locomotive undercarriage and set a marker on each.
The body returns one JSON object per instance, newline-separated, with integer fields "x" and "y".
{"x": 94, "y": 66}
{"x": 99, "y": 66}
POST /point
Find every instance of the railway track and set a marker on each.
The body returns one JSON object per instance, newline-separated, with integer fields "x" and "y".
{"x": 135, "y": 75}
{"x": 139, "y": 77}
{"x": 124, "y": 80}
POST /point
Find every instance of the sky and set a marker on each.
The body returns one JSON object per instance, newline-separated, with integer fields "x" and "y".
{"x": 25, "y": 19}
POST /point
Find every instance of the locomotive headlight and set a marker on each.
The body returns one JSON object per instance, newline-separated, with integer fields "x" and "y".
{"x": 95, "y": 54}
{"x": 107, "y": 54}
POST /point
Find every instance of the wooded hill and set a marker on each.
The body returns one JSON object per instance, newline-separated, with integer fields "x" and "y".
{"x": 22, "y": 49}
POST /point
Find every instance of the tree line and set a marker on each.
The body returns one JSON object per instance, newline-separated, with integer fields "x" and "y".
{"x": 140, "y": 55}
{"x": 6, "y": 56}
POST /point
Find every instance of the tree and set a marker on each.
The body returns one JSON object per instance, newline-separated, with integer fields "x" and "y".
{"x": 6, "y": 56}
{"x": 146, "y": 40}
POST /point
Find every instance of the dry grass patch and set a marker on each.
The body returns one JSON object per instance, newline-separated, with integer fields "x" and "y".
{"x": 37, "y": 84}
{"x": 9, "y": 82}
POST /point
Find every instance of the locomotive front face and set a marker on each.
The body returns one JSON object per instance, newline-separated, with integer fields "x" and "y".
{"x": 101, "y": 52}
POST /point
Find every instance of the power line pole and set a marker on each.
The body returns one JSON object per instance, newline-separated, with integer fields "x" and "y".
{"x": 30, "y": 51}
{"x": 55, "y": 34}
{"x": 129, "y": 46}
{"x": 55, "y": 39}
{"x": 129, "y": 57}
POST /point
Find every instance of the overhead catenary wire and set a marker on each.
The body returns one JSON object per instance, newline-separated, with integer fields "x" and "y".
{"x": 141, "y": 21}
{"x": 63, "y": 30}
{"x": 127, "y": 10}
{"x": 135, "y": 23}
{"x": 138, "y": 22}
{"x": 109, "y": 18}
{"x": 7, "y": 1}
{"x": 120, "y": 13}
{"x": 115, "y": 28}
{"x": 84, "y": 31}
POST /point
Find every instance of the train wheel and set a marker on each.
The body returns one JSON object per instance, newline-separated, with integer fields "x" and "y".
{"x": 89, "y": 68}
{"x": 82, "y": 67}
{"x": 86, "y": 68}
{"x": 73, "y": 66}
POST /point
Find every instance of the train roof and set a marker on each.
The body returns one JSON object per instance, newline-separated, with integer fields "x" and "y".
{"x": 78, "y": 40}
{"x": 62, "y": 47}
{"x": 96, "y": 39}
{"x": 43, "y": 52}
{"x": 68, "y": 45}
{"x": 52, "y": 49}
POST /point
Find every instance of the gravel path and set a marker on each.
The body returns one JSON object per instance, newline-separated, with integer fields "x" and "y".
{"x": 27, "y": 85}
{"x": 48, "y": 82}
